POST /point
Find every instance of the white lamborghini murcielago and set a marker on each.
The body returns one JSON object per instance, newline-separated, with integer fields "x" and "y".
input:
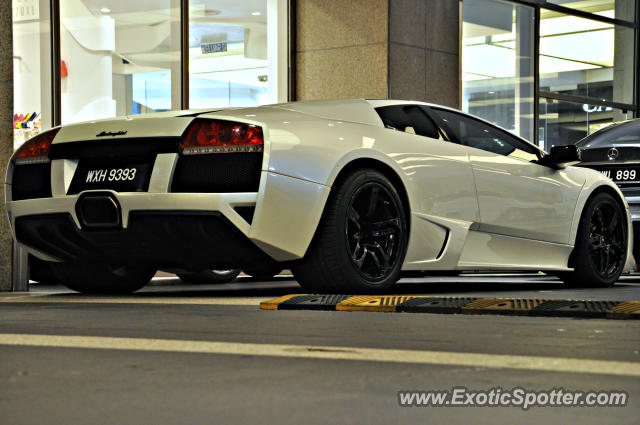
{"x": 347, "y": 194}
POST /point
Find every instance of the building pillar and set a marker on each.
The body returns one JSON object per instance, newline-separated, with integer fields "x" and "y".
{"x": 6, "y": 138}
{"x": 341, "y": 49}
{"x": 399, "y": 49}
{"x": 424, "y": 51}
{"x": 524, "y": 96}
{"x": 623, "y": 61}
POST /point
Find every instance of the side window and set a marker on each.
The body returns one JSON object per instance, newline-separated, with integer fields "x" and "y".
{"x": 476, "y": 134}
{"x": 408, "y": 118}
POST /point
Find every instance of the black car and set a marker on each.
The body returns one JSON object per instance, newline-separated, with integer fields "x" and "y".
{"x": 615, "y": 152}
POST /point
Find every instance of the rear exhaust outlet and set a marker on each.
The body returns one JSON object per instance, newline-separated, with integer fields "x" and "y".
{"x": 99, "y": 211}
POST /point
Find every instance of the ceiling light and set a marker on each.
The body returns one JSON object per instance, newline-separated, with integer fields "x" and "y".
{"x": 256, "y": 13}
{"x": 105, "y": 10}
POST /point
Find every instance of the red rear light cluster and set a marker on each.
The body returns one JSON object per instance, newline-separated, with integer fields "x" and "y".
{"x": 36, "y": 149}
{"x": 218, "y": 136}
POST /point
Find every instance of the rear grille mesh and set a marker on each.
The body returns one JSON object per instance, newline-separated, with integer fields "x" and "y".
{"x": 218, "y": 173}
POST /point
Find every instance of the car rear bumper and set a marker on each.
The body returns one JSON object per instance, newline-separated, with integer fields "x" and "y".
{"x": 286, "y": 212}
{"x": 168, "y": 229}
{"x": 223, "y": 203}
{"x": 192, "y": 240}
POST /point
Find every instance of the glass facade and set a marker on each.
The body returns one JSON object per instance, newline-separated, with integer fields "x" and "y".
{"x": 120, "y": 57}
{"x": 130, "y": 50}
{"x": 581, "y": 57}
{"x": 620, "y": 9}
{"x": 498, "y": 64}
{"x": 548, "y": 71}
{"x": 562, "y": 122}
{"x": 228, "y": 54}
{"x": 585, "y": 72}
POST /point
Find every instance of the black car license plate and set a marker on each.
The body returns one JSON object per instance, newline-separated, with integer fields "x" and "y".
{"x": 623, "y": 175}
{"x": 121, "y": 178}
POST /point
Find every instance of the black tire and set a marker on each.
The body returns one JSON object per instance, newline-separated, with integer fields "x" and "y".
{"x": 97, "y": 278}
{"x": 264, "y": 271}
{"x": 601, "y": 245}
{"x": 210, "y": 276}
{"x": 361, "y": 241}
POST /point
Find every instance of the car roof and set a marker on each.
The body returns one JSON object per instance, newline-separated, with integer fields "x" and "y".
{"x": 610, "y": 132}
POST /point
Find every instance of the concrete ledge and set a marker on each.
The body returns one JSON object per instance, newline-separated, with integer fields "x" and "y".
{"x": 459, "y": 305}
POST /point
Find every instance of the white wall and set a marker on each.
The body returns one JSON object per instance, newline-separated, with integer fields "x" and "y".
{"x": 86, "y": 46}
{"x": 26, "y": 67}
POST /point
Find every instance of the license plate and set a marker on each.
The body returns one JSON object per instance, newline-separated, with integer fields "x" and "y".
{"x": 623, "y": 175}
{"x": 100, "y": 175}
{"x": 125, "y": 178}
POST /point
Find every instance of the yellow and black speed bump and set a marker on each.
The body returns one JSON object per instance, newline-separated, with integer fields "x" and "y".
{"x": 434, "y": 305}
{"x": 516, "y": 307}
{"x": 626, "y": 310}
{"x": 372, "y": 303}
{"x": 575, "y": 308}
{"x": 312, "y": 302}
{"x": 277, "y": 302}
{"x": 464, "y": 305}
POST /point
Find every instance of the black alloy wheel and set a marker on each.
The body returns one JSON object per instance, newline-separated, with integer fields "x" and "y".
{"x": 373, "y": 224}
{"x": 601, "y": 244}
{"x": 607, "y": 240}
{"x": 360, "y": 244}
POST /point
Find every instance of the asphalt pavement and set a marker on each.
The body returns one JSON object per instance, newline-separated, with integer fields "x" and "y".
{"x": 191, "y": 354}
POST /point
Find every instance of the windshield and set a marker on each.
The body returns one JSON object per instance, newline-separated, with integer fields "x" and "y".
{"x": 620, "y": 134}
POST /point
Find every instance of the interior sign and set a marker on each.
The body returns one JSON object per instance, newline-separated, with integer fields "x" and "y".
{"x": 213, "y": 47}
{"x": 589, "y": 108}
{"x": 26, "y": 10}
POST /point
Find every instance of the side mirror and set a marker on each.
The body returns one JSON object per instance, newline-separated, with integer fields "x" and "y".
{"x": 560, "y": 155}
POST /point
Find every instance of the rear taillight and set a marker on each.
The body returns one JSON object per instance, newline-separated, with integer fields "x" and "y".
{"x": 218, "y": 136}
{"x": 36, "y": 149}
